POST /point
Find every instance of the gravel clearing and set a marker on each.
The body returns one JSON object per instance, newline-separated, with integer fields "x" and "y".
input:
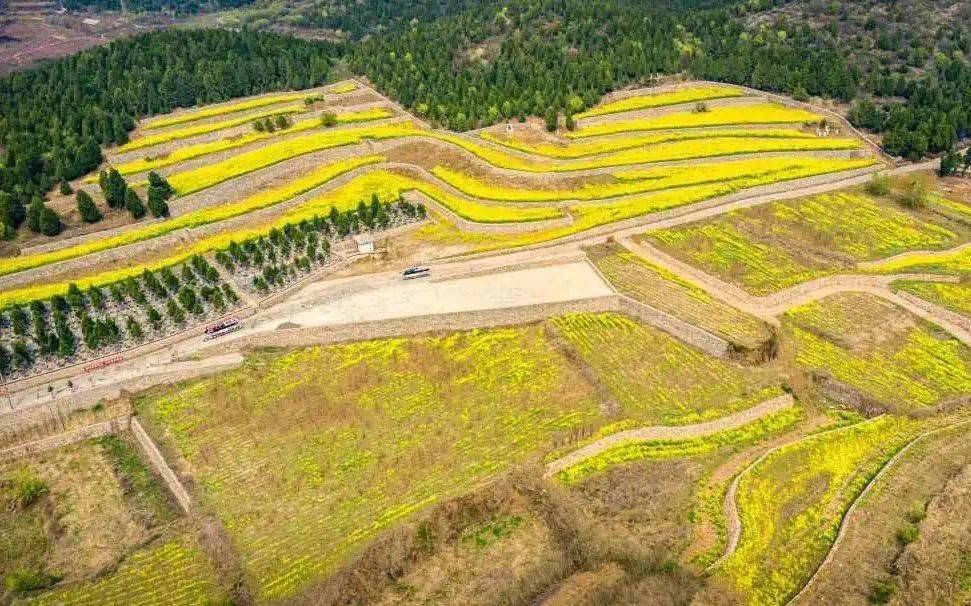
{"x": 397, "y": 298}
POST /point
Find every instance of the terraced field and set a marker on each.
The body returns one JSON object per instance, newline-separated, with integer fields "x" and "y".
{"x": 368, "y": 435}
{"x": 867, "y": 558}
{"x": 232, "y": 183}
{"x": 90, "y": 522}
{"x": 641, "y": 280}
{"x": 554, "y": 454}
{"x": 771, "y": 247}
{"x": 791, "y": 504}
{"x": 896, "y": 361}
{"x": 656, "y": 379}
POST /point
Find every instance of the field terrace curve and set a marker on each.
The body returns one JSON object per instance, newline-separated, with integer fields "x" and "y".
{"x": 507, "y": 186}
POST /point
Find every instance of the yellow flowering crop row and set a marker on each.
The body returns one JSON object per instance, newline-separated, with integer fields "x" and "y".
{"x": 762, "y": 170}
{"x": 690, "y": 447}
{"x": 219, "y": 110}
{"x": 579, "y": 149}
{"x": 955, "y": 260}
{"x": 467, "y": 209}
{"x": 189, "y": 152}
{"x": 663, "y": 152}
{"x": 342, "y": 88}
{"x": 758, "y": 113}
{"x": 684, "y": 95}
{"x": 206, "y": 127}
{"x": 263, "y": 199}
{"x": 792, "y": 502}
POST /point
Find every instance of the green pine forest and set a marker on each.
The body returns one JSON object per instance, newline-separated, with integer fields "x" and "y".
{"x": 467, "y": 64}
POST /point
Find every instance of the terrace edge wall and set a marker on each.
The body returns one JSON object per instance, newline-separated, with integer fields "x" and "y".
{"x": 491, "y": 318}
{"x": 73, "y": 436}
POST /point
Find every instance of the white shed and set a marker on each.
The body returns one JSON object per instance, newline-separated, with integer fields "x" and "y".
{"x": 365, "y": 243}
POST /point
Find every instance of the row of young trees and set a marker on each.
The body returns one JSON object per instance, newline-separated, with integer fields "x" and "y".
{"x": 52, "y": 324}
{"x": 295, "y": 248}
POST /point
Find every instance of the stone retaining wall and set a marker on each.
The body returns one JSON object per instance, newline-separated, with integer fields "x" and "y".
{"x": 458, "y": 321}
{"x": 162, "y": 468}
{"x": 417, "y": 325}
{"x": 689, "y": 333}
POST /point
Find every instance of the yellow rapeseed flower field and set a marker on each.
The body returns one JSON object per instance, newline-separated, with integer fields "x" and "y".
{"x": 684, "y": 95}
{"x": 761, "y": 170}
{"x": 757, "y": 113}
{"x": 190, "y": 152}
{"x": 792, "y": 502}
{"x": 207, "y": 127}
{"x": 450, "y": 411}
{"x": 572, "y": 149}
{"x": 219, "y": 110}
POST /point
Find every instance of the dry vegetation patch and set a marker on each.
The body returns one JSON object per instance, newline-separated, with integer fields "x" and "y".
{"x": 936, "y": 567}
{"x": 90, "y": 520}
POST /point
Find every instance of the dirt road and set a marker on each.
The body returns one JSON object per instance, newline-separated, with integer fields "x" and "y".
{"x": 666, "y": 432}
{"x": 770, "y": 307}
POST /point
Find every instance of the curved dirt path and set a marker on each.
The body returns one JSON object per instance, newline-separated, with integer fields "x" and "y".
{"x": 669, "y": 432}
{"x": 733, "y": 521}
{"x": 770, "y": 307}
{"x": 848, "y": 515}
